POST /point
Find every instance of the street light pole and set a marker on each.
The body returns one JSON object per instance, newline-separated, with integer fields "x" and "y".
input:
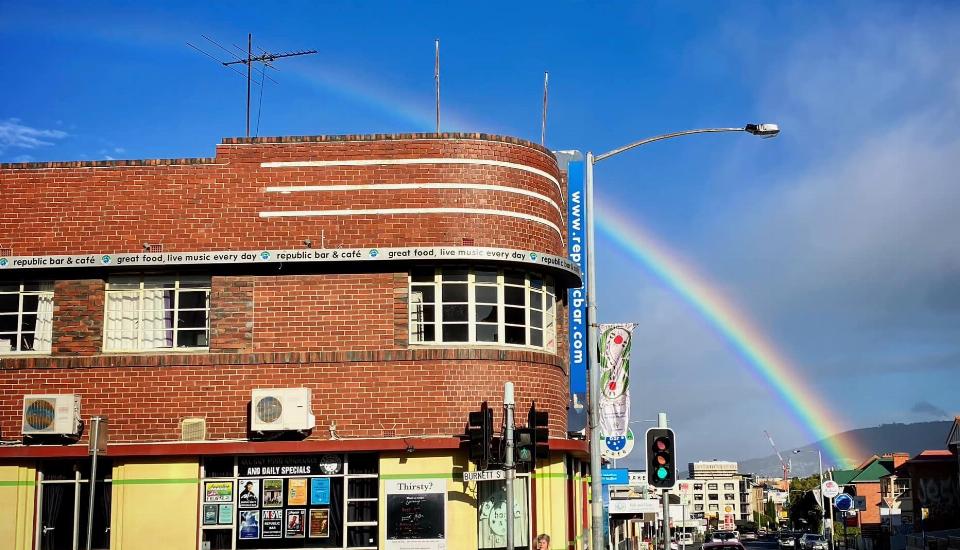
{"x": 596, "y": 487}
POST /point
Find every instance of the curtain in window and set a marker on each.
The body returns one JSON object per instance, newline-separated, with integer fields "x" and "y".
{"x": 56, "y": 525}
{"x": 43, "y": 338}
{"x": 122, "y": 323}
{"x": 157, "y": 318}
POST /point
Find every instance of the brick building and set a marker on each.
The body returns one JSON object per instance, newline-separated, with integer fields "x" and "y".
{"x": 380, "y": 287}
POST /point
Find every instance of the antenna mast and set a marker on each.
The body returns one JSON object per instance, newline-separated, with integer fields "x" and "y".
{"x": 266, "y": 58}
{"x": 436, "y": 77}
{"x": 543, "y": 122}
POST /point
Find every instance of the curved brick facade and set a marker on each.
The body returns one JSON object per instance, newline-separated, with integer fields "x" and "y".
{"x": 343, "y": 334}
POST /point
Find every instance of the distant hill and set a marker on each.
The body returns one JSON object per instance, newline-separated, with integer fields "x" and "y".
{"x": 886, "y": 438}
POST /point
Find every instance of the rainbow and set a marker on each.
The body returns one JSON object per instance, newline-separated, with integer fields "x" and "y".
{"x": 758, "y": 352}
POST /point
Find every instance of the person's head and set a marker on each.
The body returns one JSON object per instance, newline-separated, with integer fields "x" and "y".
{"x": 249, "y": 485}
{"x": 543, "y": 542}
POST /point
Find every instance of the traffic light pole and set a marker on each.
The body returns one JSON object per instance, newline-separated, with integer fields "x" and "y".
{"x": 508, "y": 464}
{"x": 662, "y": 423}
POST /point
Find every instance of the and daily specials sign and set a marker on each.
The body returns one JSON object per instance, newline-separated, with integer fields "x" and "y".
{"x": 280, "y": 256}
{"x": 291, "y": 465}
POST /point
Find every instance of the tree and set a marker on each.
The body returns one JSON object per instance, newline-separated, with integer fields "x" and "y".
{"x": 805, "y": 512}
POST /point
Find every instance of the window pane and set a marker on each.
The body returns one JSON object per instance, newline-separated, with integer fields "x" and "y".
{"x": 487, "y": 333}
{"x": 9, "y": 303}
{"x": 422, "y": 275}
{"x": 361, "y": 488}
{"x": 423, "y": 333}
{"x": 28, "y": 322}
{"x": 536, "y": 300}
{"x": 362, "y": 511}
{"x": 159, "y": 282}
{"x": 8, "y": 323}
{"x": 123, "y": 283}
{"x": 514, "y": 315}
{"x": 192, "y": 319}
{"x": 192, "y": 339}
{"x": 486, "y": 277}
{"x": 455, "y": 333}
{"x": 424, "y": 314}
{"x": 194, "y": 281}
{"x": 486, "y": 314}
{"x": 516, "y": 335}
{"x": 454, "y": 275}
{"x": 455, "y": 313}
{"x": 536, "y": 318}
{"x": 536, "y": 283}
{"x": 30, "y": 302}
{"x": 514, "y": 278}
{"x": 486, "y": 294}
{"x": 192, "y": 300}
{"x": 536, "y": 337}
{"x": 8, "y": 342}
{"x": 514, "y": 296}
{"x": 424, "y": 294}
{"x": 454, "y": 293}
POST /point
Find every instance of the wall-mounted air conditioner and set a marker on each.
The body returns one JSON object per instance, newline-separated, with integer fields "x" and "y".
{"x": 51, "y": 415}
{"x": 281, "y": 409}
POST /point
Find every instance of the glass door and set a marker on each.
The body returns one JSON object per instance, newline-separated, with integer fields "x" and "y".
{"x": 63, "y": 503}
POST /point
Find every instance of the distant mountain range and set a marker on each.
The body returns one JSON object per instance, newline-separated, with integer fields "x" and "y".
{"x": 886, "y": 438}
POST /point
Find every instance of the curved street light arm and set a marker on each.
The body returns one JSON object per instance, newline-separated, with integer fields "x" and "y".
{"x": 609, "y": 154}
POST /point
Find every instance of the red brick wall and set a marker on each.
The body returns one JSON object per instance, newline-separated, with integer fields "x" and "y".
{"x": 78, "y": 309}
{"x": 231, "y": 314}
{"x": 215, "y": 204}
{"x": 367, "y": 394}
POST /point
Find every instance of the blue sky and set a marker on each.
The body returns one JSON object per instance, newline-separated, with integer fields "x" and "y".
{"x": 839, "y": 238}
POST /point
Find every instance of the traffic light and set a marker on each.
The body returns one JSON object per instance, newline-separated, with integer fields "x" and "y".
{"x": 523, "y": 445}
{"x": 480, "y": 435}
{"x": 661, "y": 458}
{"x": 538, "y": 424}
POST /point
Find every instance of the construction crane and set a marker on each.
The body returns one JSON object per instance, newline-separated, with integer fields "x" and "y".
{"x": 783, "y": 463}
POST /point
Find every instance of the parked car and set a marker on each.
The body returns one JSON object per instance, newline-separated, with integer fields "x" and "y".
{"x": 685, "y": 538}
{"x": 731, "y": 544}
{"x": 813, "y": 541}
{"x": 785, "y": 540}
{"x": 723, "y": 536}
{"x": 748, "y": 535}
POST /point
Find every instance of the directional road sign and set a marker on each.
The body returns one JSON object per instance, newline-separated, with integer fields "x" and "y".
{"x": 485, "y": 475}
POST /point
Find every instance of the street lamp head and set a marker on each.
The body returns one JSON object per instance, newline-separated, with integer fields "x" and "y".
{"x": 762, "y": 130}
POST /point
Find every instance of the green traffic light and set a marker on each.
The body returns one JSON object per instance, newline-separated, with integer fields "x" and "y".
{"x": 661, "y": 473}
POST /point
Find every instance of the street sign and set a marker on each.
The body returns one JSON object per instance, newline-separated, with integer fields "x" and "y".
{"x": 616, "y": 447}
{"x": 843, "y": 502}
{"x": 861, "y": 502}
{"x": 830, "y": 488}
{"x": 485, "y": 475}
{"x": 611, "y": 476}
{"x": 634, "y": 506}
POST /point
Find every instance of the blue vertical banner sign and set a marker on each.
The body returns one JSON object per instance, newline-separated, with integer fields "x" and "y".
{"x": 577, "y": 297}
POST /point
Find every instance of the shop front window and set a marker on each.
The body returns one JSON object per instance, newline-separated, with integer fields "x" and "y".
{"x": 290, "y": 501}
{"x": 63, "y": 505}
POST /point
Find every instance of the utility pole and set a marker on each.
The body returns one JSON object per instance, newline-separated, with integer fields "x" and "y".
{"x": 662, "y": 423}
{"x": 266, "y": 58}
{"x": 508, "y": 465}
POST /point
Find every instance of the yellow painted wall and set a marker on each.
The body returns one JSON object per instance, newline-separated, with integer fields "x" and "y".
{"x": 551, "y": 476}
{"x": 17, "y": 494}
{"x": 155, "y": 505}
{"x": 461, "y": 498}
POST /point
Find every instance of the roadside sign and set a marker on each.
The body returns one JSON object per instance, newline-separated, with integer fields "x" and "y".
{"x": 634, "y": 506}
{"x": 843, "y": 502}
{"x": 485, "y": 475}
{"x": 830, "y": 488}
{"x": 614, "y": 476}
{"x": 861, "y": 502}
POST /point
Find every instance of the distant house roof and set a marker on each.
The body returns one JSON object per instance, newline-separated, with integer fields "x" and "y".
{"x": 953, "y": 438}
{"x": 878, "y": 468}
{"x": 936, "y": 455}
{"x": 843, "y": 477}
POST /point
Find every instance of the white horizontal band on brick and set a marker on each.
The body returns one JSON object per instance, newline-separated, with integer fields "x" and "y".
{"x": 398, "y": 186}
{"x": 389, "y": 211}
{"x": 375, "y": 162}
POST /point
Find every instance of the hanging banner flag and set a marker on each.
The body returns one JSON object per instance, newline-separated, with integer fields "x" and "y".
{"x": 614, "y": 400}
{"x": 577, "y": 297}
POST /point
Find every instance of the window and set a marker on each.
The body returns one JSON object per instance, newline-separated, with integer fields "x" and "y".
{"x": 712, "y": 486}
{"x": 713, "y": 496}
{"x": 698, "y": 496}
{"x": 148, "y": 313}
{"x": 713, "y": 508}
{"x": 729, "y": 496}
{"x": 698, "y": 507}
{"x": 477, "y": 306}
{"x": 698, "y": 486}
{"x": 26, "y": 317}
{"x": 62, "y": 504}
{"x": 728, "y": 486}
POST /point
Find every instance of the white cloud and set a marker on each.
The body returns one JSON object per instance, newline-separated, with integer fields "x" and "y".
{"x": 14, "y": 135}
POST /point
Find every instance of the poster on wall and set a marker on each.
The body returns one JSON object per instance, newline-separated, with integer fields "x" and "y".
{"x": 416, "y": 514}
{"x": 225, "y": 514}
{"x": 249, "y": 524}
{"x": 493, "y": 516}
{"x": 273, "y": 493}
{"x": 319, "y": 491}
{"x": 209, "y": 514}
{"x": 272, "y": 524}
{"x": 295, "y": 524}
{"x": 218, "y": 491}
{"x": 297, "y": 492}
{"x": 249, "y": 493}
{"x": 319, "y": 523}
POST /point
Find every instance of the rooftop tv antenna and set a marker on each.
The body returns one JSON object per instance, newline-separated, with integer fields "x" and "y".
{"x": 265, "y": 57}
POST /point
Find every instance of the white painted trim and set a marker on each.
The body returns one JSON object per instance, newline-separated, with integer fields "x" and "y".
{"x": 375, "y": 162}
{"x": 395, "y": 186}
{"x": 389, "y": 211}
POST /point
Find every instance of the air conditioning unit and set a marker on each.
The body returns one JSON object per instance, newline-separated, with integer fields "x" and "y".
{"x": 193, "y": 429}
{"x": 51, "y": 414}
{"x": 281, "y": 409}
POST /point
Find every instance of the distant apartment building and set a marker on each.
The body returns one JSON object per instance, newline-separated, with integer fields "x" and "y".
{"x": 717, "y": 493}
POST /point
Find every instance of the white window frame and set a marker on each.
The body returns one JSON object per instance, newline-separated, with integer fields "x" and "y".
{"x": 43, "y": 324}
{"x": 548, "y": 309}
{"x": 175, "y": 281}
